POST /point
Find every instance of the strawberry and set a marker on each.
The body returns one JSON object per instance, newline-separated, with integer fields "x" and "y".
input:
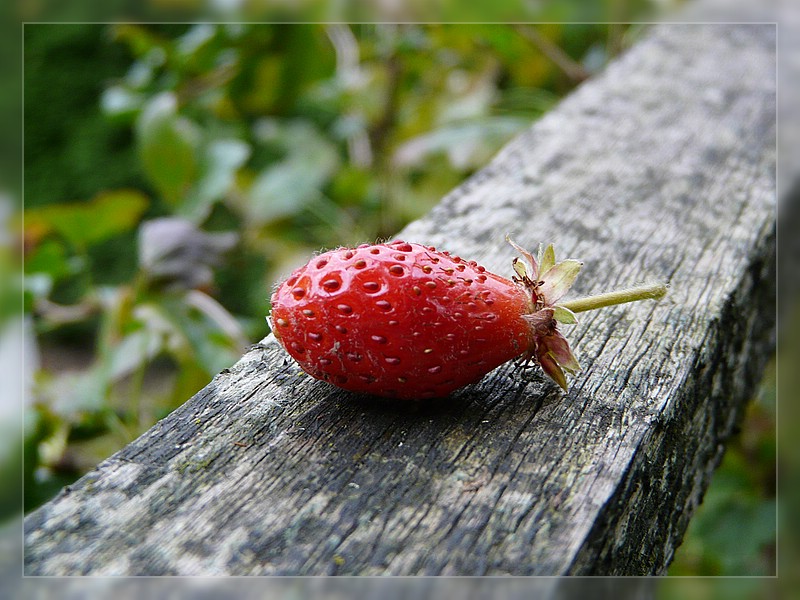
{"x": 406, "y": 321}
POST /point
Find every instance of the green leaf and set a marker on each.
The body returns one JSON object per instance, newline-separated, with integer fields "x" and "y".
{"x": 120, "y": 101}
{"x": 202, "y": 340}
{"x": 286, "y": 187}
{"x": 221, "y": 160}
{"x": 139, "y": 38}
{"x": 84, "y": 223}
{"x": 75, "y": 393}
{"x": 36, "y": 286}
{"x": 280, "y": 191}
{"x": 133, "y": 352}
{"x": 168, "y": 148}
{"x": 48, "y": 257}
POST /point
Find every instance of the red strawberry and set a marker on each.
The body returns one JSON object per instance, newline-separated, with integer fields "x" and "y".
{"x": 406, "y": 321}
{"x": 400, "y": 320}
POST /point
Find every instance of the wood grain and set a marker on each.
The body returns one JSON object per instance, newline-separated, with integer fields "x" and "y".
{"x": 660, "y": 169}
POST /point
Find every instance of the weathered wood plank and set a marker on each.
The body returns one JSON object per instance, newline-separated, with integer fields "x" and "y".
{"x": 662, "y": 168}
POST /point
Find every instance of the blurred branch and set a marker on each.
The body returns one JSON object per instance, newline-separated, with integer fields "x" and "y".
{"x": 180, "y": 255}
{"x": 380, "y": 131}
{"x": 346, "y": 47}
{"x": 616, "y": 34}
{"x": 217, "y": 78}
{"x": 561, "y": 59}
{"x": 55, "y": 314}
{"x": 217, "y": 313}
{"x": 348, "y": 71}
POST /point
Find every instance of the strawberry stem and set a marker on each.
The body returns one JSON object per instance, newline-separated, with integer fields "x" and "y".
{"x": 645, "y": 292}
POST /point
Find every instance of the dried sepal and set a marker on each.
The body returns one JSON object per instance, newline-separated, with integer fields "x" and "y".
{"x": 527, "y": 256}
{"x": 558, "y": 346}
{"x": 519, "y": 268}
{"x": 547, "y": 260}
{"x": 559, "y": 279}
{"x": 549, "y": 365}
{"x": 550, "y": 347}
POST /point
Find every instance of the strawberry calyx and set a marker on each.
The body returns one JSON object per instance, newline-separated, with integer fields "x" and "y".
{"x": 547, "y": 282}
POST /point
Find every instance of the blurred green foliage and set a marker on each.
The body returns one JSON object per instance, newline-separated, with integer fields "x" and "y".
{"x": 173, "y": 172}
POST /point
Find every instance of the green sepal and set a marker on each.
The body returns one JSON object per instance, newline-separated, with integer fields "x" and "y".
{"x": 564, "y": 315}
